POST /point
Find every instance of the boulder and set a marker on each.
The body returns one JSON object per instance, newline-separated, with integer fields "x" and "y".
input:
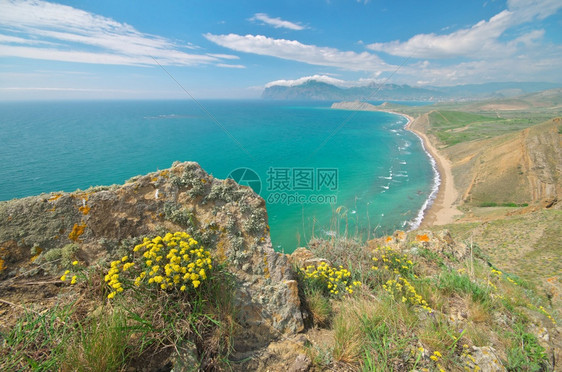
{"x": 103, "y": 222}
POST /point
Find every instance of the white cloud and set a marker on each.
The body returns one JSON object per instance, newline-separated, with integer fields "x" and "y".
{"x": 480, "y": 40}
{"x": 537, "y": 66}
{"x": 223, "y": 56}
{"x": 75, "y": 35}
{"x": 276, "y": 22}
{"x": 226, "y": 65}
{"x": 321, "y": 78}
{"x": 59, "y": 89}
{"x": 304, "y": 79}
{"x": 296, "y": 51}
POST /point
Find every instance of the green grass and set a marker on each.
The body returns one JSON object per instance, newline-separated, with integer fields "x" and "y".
{"x": 510, "y": 205}
{"x": 37, "y": 341}
{"x": 379, "y": 330}
{"x": 102, "y": 345}
{"x": 137, "y": 327}
{"x": 319, "y": 307}
{"x": 525, "y": 353}
{"x": 383, "y": 342}
{"x": 450, "y": 281}
{"x": 452, "y": 127}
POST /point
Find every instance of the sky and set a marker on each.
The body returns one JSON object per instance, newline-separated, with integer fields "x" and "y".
{"x": 167, "y": 49}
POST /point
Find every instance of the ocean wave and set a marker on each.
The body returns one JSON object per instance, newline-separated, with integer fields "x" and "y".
{"x": 167, "y": 116}
{"x": 416, "y": 221}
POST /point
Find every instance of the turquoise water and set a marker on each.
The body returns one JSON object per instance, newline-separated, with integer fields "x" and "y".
{"x": 383, "y": 174}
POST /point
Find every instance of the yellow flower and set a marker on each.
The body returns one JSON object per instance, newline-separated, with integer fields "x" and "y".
{"x": 158, "y": 279}
{"x": 125, "y": 258}
{"x": 75, "y": 263}
{"x": 437, "y": 354}
{"x": 73, "y": 281}
{"x": 111, "y": 295}
{"x": 434, "y": 358}
{"x": 183, "y": 288}
{"x": 196, "y": 283}
{"x": 63, "y": 278}
{"x": 66, "y": 272}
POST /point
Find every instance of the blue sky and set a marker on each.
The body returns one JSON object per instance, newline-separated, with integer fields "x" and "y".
{"x": 233, "y": 49}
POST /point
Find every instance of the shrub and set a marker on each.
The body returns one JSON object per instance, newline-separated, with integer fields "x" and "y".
{"x": 330, "y": 280}
{"x": 172, "y": 262}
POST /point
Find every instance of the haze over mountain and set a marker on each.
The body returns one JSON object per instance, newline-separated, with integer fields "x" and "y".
{"x": 313, "y": 89}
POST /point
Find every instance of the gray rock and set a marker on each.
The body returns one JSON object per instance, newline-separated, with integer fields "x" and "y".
{"x": 228, "y": 219}
{"x": 484, "y": 357}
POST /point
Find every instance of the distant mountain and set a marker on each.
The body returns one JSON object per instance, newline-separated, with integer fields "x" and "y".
{"x": 320, "y": 91}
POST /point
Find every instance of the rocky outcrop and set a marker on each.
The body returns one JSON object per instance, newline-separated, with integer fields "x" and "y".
{"x": 440, "y": 242}
{"x": 39, "y": 233}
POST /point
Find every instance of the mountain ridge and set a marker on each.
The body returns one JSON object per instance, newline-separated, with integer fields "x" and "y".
{"x": 315, "y": 90}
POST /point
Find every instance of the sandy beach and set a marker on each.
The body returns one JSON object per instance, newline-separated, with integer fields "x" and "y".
{"x": 443, "y": 210}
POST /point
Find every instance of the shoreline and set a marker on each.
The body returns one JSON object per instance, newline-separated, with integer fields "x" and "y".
{"x": 428, "y": 205}
{"x": 440, "y": 208}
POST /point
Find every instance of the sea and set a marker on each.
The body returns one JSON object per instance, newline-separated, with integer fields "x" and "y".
{"x": 323, "y": 173}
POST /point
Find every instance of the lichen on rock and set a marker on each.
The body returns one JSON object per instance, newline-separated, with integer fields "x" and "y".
{"x": 228, "y": 219}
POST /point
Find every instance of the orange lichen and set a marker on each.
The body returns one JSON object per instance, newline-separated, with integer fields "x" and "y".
{"x": 83, "y": 195}
{"x": 422, "y": 238}
{"x": 154, "y": 179}
{"x": 77, "y": 230}
{"x": 55, "y": 197}
{"x": 84, "y": 209}
{"x": 2, "y": 266}
{"x": 220, "y": 251}
{"x": 266, "y": 268}
{"x": 37, "y": 253}
{"x": 165, "y": 173}
{"x": 388, "y": 239}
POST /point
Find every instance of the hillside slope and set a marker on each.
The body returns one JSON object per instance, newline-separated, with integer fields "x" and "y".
{"x": 520, "y": 167}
